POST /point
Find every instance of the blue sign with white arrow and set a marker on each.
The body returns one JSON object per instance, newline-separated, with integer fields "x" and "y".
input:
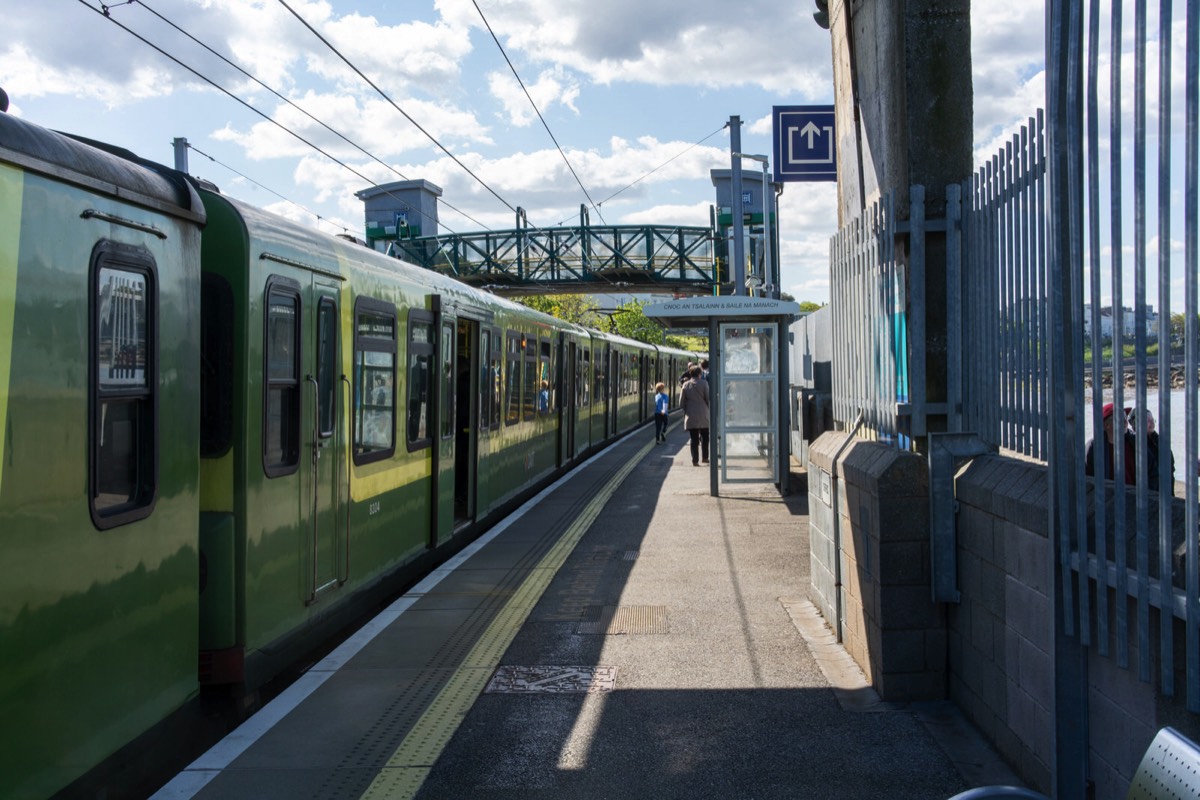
{"x": 804, "y": 143}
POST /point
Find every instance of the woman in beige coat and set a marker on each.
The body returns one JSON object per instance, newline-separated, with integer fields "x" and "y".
{"x": 694, "y": 401}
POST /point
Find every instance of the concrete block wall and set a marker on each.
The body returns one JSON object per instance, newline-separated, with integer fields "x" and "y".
{"x": 991, "y": 653}
{"x": 1002, "y": 639}
{"x": 823, "y": 562}
{"x": 889, "y": 624}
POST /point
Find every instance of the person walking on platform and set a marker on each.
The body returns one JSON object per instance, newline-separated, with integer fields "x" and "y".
{"x": 662, "y": 404}
{"x": 694, "y": 401}
{"x": 687, "y": 373}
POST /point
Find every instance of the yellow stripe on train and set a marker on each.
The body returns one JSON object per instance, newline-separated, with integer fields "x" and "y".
{"x": 12, "y": 182}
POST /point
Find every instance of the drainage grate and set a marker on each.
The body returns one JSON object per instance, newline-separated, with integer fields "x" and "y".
{"x": 552, "y": 680}
{"x": 613, "y": 620}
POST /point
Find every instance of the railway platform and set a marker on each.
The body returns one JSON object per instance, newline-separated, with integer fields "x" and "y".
{"x": 623, "y": 635}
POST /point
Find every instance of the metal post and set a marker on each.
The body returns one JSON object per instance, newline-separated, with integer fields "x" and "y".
{"x": 765, "y": 278}
{"x": 1070, "y": 709}
{"x": 181, "y": 148}
{"x": 715, "y": 370}
{"x": 735, "y": 205}
{"x": 772, "y": 289}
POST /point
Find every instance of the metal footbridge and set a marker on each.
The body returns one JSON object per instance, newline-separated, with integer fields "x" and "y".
{"x": 581, "y": 258}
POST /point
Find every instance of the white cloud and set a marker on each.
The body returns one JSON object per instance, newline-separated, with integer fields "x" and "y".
{"x": 551, "y": 87}
{"x": 695, "y": 215}
{"x": 702, "y": 44}
{"x": 373, "y": 125}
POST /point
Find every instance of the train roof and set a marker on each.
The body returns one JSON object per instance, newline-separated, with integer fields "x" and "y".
{"x": 97, "y": 167}
{"x": 270, "y": 226}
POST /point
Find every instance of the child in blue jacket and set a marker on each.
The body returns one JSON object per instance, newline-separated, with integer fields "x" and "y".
{"x": 662, "y": 402}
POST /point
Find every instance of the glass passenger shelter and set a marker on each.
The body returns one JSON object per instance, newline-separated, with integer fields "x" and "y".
{"x": 748, "y": 381}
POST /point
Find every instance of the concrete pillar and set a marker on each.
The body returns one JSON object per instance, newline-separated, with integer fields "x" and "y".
{"x": 903, "y": 105}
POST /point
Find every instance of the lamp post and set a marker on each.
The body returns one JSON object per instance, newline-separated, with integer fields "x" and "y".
{"x": 771, "y": 288}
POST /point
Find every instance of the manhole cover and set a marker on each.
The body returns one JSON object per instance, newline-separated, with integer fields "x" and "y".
{"x": 552, "y": 680}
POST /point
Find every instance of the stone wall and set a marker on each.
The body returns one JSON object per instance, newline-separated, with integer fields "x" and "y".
{"x": 888, "y": 622}
{"x": 1001, "y": 633}
{"x": 991, "y": 653}
{"x": 1002, "y": 636}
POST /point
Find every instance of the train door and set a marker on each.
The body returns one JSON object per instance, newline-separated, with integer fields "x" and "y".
{"x": 568, "y": 357}
{"x": 616, "y": 384}
{"x": 324, "y": 485}
{"x": 467, "y": 421}
{"x": 645, "y": 390}
{"x": 444, "y": 432}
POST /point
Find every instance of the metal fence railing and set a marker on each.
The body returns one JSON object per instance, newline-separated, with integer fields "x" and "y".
{"x": 1004, "y": 296}
{"x": 1078, "y": 288}
{"x": 1123, "y": 216}
{"x": 869, "y": 323}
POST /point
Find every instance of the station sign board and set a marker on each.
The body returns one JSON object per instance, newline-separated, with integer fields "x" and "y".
{"x": 699, "y": 309}
{"x": 804, "y": 144}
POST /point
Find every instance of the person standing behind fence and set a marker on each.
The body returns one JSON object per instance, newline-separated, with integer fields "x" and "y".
{"x": 694, "y": 401}
{"x": 1106, "y": 466}
{"x": 1153, "y": 443}
{"x": 662, "y": 404}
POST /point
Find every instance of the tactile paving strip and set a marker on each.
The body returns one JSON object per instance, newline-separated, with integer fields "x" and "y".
{"x": 552, "y": 680}
{"x": 616, "y": 620}
{"x": 424, "y": 742}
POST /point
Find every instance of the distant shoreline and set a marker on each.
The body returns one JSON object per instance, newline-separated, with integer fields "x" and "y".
{"x": 1177, "y": 379}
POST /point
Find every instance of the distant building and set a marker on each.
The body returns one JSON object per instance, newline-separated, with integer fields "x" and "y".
{"x": 1128, "y": 322}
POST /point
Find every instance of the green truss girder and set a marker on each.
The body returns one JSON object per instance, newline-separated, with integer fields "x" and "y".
{"x": 669, "y": 256}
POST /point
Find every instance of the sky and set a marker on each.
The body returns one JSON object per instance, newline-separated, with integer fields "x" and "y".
{"x": 637, "y": 94}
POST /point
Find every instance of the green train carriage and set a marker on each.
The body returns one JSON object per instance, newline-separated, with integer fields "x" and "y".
{"x": 224, "y": 435}
{"x": 99, "y": 490}
{"x": 369, "y": 408}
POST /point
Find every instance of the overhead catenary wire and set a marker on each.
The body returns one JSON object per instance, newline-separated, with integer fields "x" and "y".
{"x": 415, "y": 124}
{"x": 396, "y": 106}
{"x": 201, "y": 76}
{"x": 303, "y": 111}
{"x": 230, "y": 94}
{"x": 536, "y": 110}
{"x": 300, "y": 206}
{"x": 668, "y": 161}
{"x": 660, "y": 166}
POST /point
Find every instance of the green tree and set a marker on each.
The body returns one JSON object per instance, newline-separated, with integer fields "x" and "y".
{"x": 575, "y": 308}
{"x": 630, "y": 321}
{"x": 808, "y": 306}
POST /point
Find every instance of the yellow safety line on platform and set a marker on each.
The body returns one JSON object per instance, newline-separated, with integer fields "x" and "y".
{"x": 406, "y": 770}
{"x": 12, "y": 187}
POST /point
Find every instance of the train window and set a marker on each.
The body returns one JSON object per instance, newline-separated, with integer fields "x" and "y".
{"x": 547, "y": 400}
{"x": 532, "y": 389}
{"x": 281, "y": 406}
{"x": 123, "y": 345}
{"x": 374, "y": 410}
{"x": 512, "y": 411}
{"x": 446, "y": 389}
{"x": 599, "y": 380}
{"x": 497, "y": 384}
{"x": 216, "y": 365}
{"x": 583, "y": 382}
{"x": 327, "y": 337}
{"x": 420, "y": 364}
{"x": 485, "y": 391}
